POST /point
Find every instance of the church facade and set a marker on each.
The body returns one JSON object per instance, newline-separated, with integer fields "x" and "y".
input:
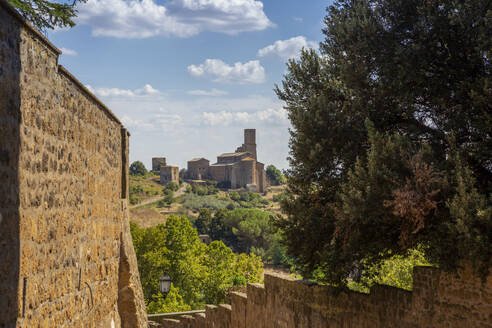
{"x": 237, "y": 170}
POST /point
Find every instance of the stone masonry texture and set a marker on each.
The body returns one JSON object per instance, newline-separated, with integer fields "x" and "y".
{"x": 438, "y": 300}
{"x": 66, "y": 256}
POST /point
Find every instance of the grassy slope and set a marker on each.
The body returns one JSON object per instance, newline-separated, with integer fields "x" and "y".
{"x": 189, "y": 204}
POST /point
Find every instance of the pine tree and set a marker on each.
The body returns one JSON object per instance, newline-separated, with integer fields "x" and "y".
{"x": 384, "y": 118}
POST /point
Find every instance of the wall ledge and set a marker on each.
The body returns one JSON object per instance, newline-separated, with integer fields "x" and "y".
{"x": 11, "y": 10}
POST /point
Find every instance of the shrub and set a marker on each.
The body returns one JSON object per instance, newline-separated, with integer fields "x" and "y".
{"x": 137, "y": 168}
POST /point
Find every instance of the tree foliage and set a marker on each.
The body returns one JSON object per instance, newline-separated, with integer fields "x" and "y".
{"x": 45, "y": 14}
{"x": 245, "y": 230}
{"x": 200, "y": 273}
{"x": 391, "y": 137}
{"x": 274, "y": 175}
{"x": 138, "y": 168}
{"x": 396, "y": 271}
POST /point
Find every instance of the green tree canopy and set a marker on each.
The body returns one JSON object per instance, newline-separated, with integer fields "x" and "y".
{"x": 45, "y": 14}
{"x": 200, "y": 273}
{"x": 274, "y": 175}
{"x": 391, "y": 136}
{"x": 138, "y": 168}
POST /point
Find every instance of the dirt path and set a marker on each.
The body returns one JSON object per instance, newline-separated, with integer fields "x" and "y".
{"x": 179, "y": 192}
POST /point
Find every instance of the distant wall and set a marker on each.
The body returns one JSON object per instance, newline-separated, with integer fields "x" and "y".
{"x": 438, "y": 300}
{"x": 198, "y": 169}
{"x": 169, "y": 174}
{"x": 65, "y": 256}
{"x": 260, "y": 176}
{"x": 247, "y": 172}
{"x": 157, "y": 162}
{"x": 220, "y": 173}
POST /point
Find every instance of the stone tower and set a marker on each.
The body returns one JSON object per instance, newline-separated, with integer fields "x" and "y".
{"x": 250, "y": 141}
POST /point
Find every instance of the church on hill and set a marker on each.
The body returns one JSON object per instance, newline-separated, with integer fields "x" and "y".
{"x": 237, "y": 170}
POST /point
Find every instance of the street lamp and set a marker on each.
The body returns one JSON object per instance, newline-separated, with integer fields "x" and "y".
{"x": 165, "y": 284}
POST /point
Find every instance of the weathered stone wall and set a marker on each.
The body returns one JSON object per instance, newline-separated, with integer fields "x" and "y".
{"x": 220, "y": 172}
{"x": 438, "y": 300}
{"x": 169, "y": 174}
{"x": 247, "y": 172}
{"x": 260, "y": 177}
{"x": 64, "y": 164}
{"x": 249, "y": 144}
{"x": 10, "y": 119}
{"x": 198, "y": 169}
{"x": 157, "y": 163}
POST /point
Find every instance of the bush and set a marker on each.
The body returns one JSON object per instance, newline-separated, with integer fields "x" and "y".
{"x": 202, "y": 190}
{"x": 170, "y": 186}
{"x": 274, "y": 175}
{"x": 138, "y": 168}
{"x": 279, "y": 197}
{"x": 396, "y": 271}
{"x": 193, "y": 201}
{"x": 135, "y": 199}
{"x": 234, "y": 196}
{"x": 224, "y": 185}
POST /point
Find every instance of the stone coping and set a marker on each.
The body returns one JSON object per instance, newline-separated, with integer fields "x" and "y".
{"x": 85, "y": 90}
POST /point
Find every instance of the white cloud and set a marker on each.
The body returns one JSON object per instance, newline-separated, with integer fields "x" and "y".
{"x": 250, "y": 72}
{"x": 225, "y": 118}
{"x": 298, "y": 19}
{"x": 68, "y": 52}
{"x": 184, "y": 128}
{"x": 286, "y": 49}
{"x": 154, "y": 122}
{"x": 212, "y": 93}
{"x": 181, "y": 18}
{"x": 147, "y": 90}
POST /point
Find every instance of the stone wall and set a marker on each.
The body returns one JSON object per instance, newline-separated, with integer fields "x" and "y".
{"x": 169, "y": 174}
{"x": 65, "y": 256}
{"x": 438, "y": 300}
{"x": 157, "y": 163}
{"x": 198, "y": 169}
{"x": 10, "y": 119}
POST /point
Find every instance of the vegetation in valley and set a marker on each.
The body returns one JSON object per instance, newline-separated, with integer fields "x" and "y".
{"x": 143, "y": 187}
{"x": 201, "y": 274}
{"x": 275, "y": 176}
{"x": 245, "y": 230}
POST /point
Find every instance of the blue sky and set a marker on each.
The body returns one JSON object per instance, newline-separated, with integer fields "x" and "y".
{"x": 187, "y": 76}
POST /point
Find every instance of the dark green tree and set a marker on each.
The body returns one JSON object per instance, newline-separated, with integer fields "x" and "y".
{"x": 45, "y": 14}
{"x": 138, "y": 168}
{"x": 203, "y": 221}
{"x": 391, "y": 136}
{"x": 274, "y": 175}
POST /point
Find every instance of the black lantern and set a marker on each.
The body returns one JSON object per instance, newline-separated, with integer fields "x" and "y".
{"x": 165, "y": 284}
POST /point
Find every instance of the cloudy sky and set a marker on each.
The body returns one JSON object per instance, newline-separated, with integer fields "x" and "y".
{"x": 187, "y": 76}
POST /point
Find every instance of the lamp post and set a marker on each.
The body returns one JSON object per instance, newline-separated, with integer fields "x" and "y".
{"x": 165, "y": 284}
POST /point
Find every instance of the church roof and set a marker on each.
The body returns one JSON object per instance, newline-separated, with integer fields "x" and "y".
{"x": 197, "y": 159}
{"x": 222, "y": 164}
{"x": 248, "y": 159}
{"x": 232, "y": 154}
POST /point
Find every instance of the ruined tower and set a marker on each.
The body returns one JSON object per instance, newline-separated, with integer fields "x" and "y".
{"x": 249, "y": 144}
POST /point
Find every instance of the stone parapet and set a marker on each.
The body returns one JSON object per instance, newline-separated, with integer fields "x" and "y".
{"x": 438, "y": 299}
